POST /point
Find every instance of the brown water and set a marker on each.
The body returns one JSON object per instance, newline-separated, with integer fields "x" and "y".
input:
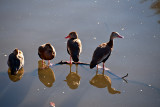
{"x": 26, "y": 24}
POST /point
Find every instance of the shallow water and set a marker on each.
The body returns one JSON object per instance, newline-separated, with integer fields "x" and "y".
{"x": 26, "y": 24}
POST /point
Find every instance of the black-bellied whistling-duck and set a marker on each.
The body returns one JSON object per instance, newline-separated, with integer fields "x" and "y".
{"x": 15, "y": 61}
{"x": 103, "y": 51}
{"x": 74, "y": 46}
{"x": 46, "y": 52}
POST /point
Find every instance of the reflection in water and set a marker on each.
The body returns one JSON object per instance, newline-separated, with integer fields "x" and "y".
{"x": 46, "y": 75}
{"x": 102, "y": 81}
{"x": 17, "y": 76}
{"x": 73, "y": 79}
{"x": 155, "y": 5}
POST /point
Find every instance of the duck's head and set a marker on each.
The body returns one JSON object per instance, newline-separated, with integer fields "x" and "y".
{"x": 73, "y": 35}
{"x": 17, "y": 52}
{"x": 115, "y": 35}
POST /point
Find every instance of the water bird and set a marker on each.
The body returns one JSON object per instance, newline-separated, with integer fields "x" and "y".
{"x": 15, "y": 61}
{"x": 103, "y": 51}
{"x": 74, "y": 46}
{"x": 46, "y": 52}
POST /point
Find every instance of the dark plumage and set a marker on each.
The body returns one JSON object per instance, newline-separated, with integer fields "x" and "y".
{"x": 74, "y": 46}
{"x": 46, "y": 52}
{"x": 103, "y": 51}
{"x": 15, "y": 61}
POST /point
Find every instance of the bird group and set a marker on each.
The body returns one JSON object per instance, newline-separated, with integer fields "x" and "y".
{"x": 74, "y": 49}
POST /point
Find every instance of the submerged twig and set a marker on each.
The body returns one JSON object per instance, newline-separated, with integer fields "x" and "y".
{"x": 125, "y": 77}
{"x": 65, "y": 62}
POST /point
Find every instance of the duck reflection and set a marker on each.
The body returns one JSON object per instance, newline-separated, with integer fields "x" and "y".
{"x": 73, "y": 79}
{"x": 46, "y": 75}
{"x": 155, "y": 5}
{"x": 16, "y": 77}
{"x": 102, "y": 81}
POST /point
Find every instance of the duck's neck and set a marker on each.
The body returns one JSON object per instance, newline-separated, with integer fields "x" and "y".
{"x": 110, "y": 43}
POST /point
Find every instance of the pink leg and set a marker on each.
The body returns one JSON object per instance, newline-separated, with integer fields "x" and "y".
{"x": 97, "y": 70}
{"x": 103, "y": 68}
{"x": 48, "y": 63}
{"x": 70, "y": 59}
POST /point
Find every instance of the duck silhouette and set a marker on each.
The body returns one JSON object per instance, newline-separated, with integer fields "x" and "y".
{"x": 46, "y": 75}
{"x": 103, "y": 51}
{"x": 46, "y": 52}
{"x": 74, "y": 46}
{"x": 102, "y": 81}
{"x": 17, "y": 76}
{"x": 73, "y": 79}
{"x": 15, "y": 61}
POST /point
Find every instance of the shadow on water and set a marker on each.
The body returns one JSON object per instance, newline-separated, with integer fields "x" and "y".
{"x": 17, "y": 76}
{"x": 73, "y": 79}
{"x": 46, "y": 75}
{"x": 155, "y": 5}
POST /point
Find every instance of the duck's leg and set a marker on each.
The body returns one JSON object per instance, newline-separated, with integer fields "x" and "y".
{"x": 70, "y": 59}
{"x": 48, "y": 63}
{"x": 97, "y": 70}
{"x": 103, "y": 69}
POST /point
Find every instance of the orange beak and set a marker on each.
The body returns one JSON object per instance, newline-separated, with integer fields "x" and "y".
{"x": 68, "y": 36}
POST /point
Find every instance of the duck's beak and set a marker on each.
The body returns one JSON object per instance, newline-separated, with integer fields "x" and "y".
{"x": 68, "y": 36}
{"x": 120, "y": 36}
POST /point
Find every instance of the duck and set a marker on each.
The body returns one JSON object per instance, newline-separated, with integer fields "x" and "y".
{"x": 74, "y": 46}
{"x": 103, "y": 51}
{"x": 15, "y": 61}
{"x": 46, "y": 52}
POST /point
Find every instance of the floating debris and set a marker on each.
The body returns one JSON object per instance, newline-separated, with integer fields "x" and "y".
{"x": 63, "y": 92}
{"x": 154, "y": 36}
{"x": 141, "y": 90}
{"x": 122, "y": 28}
{"x": 149, "y": 85}
{"x": 94, "y": 38}
{"x": 52, "y": 104}
{"x": 38, "y": 89}
{"x": 98, "y": 23}
{"x": 95, "y": 1}
{"x": 5, "y": 55}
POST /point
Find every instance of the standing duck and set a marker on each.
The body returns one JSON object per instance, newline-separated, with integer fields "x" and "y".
{"x": 103, "y": 51}
{"x": 46, "y": 52}
{"x": 74, "y": 46}
{"x": 15, "y": 61}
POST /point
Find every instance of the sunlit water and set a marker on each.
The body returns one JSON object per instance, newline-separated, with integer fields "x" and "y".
{"x": 26, "y": 24}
